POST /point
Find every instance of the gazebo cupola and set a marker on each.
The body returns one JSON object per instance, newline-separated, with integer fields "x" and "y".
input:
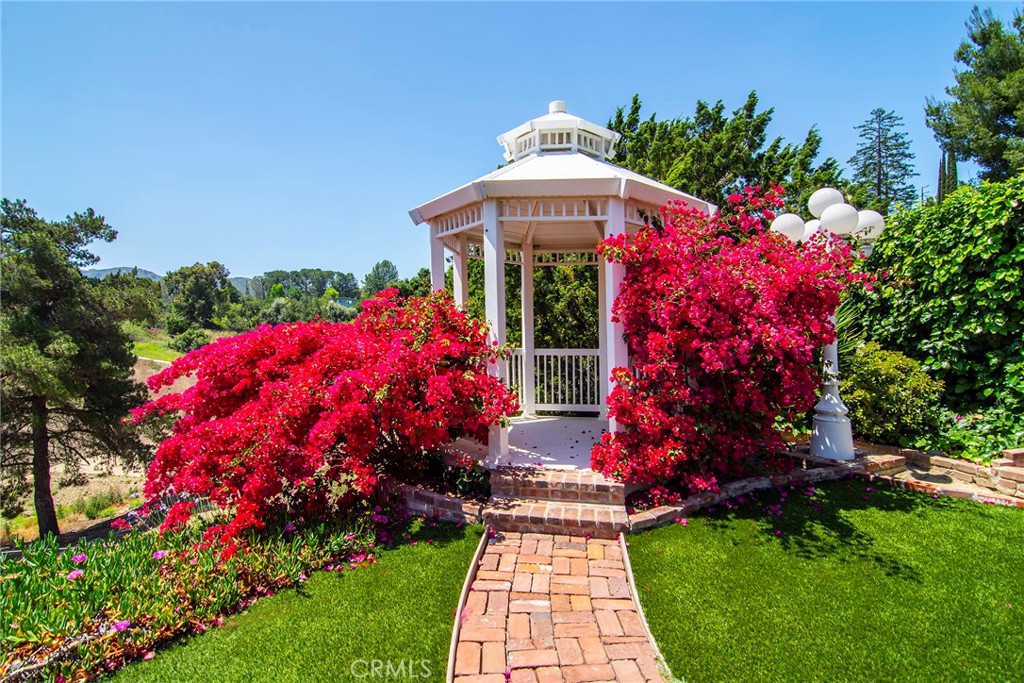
{"x": 558, "y": 131}
{"x": 556, "y": 199}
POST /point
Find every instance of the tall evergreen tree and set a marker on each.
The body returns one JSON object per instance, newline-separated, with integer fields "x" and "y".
{"x": 883, "y": 164}
{"x": 952, "y": 179}
{"x": 984, "y": 119}
{"x": 940, "y": 193}
{"x": 65, "y": 365}
{"x": 714, "y": 154}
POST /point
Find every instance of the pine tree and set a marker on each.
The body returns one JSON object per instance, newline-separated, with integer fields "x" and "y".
{"x": 984, "y": 117}
{"x": 883, "y": 164}
{"x": 65, "y": 364}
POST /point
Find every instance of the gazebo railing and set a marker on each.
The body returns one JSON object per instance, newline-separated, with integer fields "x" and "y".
{"x": 564, "y": 379}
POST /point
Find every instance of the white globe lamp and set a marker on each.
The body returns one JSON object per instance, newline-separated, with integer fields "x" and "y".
{"x": 790, "y": 225}
{"x": 840, "y": 219}
{"x": 809, "y": 229}
{"x": 869, "y": 224}
{"x": 822, "y": 199}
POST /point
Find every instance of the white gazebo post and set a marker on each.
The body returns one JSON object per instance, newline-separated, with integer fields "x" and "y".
{"x": 615, "y": 354}
{"x": 528, "y": 377}
{"x": 436, "y": 260}
{"x": 460, "y": 274}
{"x": 603, "y": 312}
{"x": 494, "y": 306}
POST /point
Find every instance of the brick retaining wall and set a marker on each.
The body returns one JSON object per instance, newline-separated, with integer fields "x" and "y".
{"x": 421, "y": 502}
{"x": 1004, "y": 478}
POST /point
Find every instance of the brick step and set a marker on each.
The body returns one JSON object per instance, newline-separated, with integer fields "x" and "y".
{"x": 556, "y": 485}
{"x": 556, "y": 517}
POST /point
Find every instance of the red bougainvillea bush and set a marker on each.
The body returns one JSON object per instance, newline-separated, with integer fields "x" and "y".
{"x": 722, "y": 318}
{"x": 295, "y": 422}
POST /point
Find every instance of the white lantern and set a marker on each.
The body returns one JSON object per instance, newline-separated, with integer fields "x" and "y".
{"x": 809, "y": 229}
{"x": 869, "y": 224}
{"x": 790, "y": 225}
{"x": 840, "y": 219}
{"x": 822, "y": 199}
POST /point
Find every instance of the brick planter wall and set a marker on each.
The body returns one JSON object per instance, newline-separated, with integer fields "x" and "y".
{"x": 1004, "y": 478}
{"x": 421, "y": 502}
{"x": 1005, "y": 475}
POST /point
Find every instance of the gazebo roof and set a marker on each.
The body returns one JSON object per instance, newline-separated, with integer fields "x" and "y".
{"x": 579, "y": 171}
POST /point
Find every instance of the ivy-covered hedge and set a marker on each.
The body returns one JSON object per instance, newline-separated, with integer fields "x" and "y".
{"x": 950, "y": 293}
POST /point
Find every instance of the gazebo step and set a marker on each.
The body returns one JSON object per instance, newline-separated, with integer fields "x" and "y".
{"x": 556, "y": 517}
{"x": 537, "y": 483}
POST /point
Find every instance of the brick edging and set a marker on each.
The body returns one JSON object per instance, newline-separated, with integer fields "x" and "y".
{"x": 876, "y": 468}
{"x": 666, "y": 514}
{"x": 466, "y": 587}
{"x": 631, "y": 582}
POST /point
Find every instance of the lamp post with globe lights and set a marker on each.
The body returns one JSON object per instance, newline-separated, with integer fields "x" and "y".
{"x": 832, "y": 435}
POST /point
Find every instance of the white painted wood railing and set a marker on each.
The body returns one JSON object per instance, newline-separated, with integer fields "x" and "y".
{"x": 564, "y": 379}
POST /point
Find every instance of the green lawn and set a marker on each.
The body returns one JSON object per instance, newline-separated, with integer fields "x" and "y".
{"x": 156, "y": 351}
{"x": 897, "y": 587}
{"x": 400, "y": 609}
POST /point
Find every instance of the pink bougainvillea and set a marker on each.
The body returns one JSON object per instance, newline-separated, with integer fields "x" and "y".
{"x": 296, "y": 421}
{"x": 722, "y": 318}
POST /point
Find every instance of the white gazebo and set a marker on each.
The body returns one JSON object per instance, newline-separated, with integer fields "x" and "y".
{"x": 550, "y": 206}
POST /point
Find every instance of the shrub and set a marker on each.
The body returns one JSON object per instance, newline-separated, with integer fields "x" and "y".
{"x": 189, "y": 340}
{"x": 950, "y": 292}
{"x": 295, "y": 421}
{"x": 175, "y": 322}
{"x": 722, "y": 318}
{"x": 891, "y": 399}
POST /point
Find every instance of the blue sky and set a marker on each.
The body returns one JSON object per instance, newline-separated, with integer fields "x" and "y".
{"x": 298, "y": 135}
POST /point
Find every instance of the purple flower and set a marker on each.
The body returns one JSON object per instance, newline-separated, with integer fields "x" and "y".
{"x": 79, "y": 559}
{"x": 778, "y": 532}
{"x": 120, "y": 626}
{"x": 74, "y": 574}
{"x": 289, "y": 527}
{"x": 159, "y": 554}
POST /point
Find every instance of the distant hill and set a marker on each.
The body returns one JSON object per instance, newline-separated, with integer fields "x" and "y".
{"x": 242, "y": 284}
{"x": 100, "y": 273}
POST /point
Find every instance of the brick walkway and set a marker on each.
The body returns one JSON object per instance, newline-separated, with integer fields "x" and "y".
{"x": 552, "y": 608}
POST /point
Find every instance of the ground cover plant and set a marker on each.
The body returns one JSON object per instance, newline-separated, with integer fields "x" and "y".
{"x": 843, "y": 581}
{"x": 722, "y": 318}
{"x": 334, "y": 626}
{"x": 73, "y": 613}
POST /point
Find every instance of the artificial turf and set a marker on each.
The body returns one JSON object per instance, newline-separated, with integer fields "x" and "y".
{"x": 335, "y": 625}
{"x": 854, "y": 583}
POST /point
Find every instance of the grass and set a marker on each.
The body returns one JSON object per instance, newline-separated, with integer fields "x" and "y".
{"x": 858, "y": 585}
{"x": 156, "y": 351}
{"x": 398, "y": 610}
{"x": 100, "y": 505}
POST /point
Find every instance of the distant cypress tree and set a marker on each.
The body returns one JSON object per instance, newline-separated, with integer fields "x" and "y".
{"x": 952, "y": 181}
{"x": 940, "y": 193}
